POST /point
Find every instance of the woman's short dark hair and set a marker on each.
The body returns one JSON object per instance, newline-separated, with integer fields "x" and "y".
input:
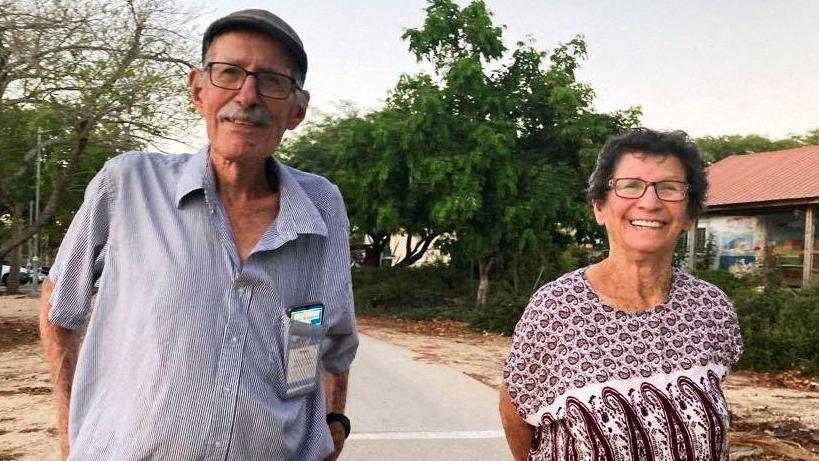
{"x": 650, "y": 142}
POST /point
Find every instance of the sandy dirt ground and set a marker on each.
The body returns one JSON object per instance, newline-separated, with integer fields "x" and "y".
{"x": 775, "y": 417}
{"x": 27, "y": 415}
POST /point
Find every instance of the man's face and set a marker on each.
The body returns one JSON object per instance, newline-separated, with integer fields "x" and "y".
{"x": 242, "y": 125}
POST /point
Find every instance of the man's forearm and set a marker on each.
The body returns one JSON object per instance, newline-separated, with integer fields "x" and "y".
{"x": 335, "y": 398}
{"x": 61, "y": 346}
{"x": 335, "y": 390}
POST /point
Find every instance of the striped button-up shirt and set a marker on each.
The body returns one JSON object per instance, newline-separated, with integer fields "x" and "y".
{"x": 185, "y": 349}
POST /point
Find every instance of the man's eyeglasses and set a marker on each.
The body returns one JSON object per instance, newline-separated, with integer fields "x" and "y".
{"x": 270, "y": 84}
{"x": 633, "y": 188}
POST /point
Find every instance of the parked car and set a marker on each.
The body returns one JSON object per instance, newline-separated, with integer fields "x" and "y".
{"x": 24, "y": 277}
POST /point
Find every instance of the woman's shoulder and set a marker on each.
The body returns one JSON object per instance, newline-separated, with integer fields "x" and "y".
{"x": 570, "y": 282}
{"x": 691, "y": 285}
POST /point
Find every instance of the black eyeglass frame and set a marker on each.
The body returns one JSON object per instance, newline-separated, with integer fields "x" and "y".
{"x": 293, "y": 82}
{"x": 612, "y": 183}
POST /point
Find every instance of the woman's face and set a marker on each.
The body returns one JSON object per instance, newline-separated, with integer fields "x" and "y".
{"x": 646, "y": 226}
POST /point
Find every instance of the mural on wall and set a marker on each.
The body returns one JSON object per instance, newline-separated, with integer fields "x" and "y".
{"x": 786, "y": 234}
{"x": 739, "y": 239}
{"x": 739, "y": 244}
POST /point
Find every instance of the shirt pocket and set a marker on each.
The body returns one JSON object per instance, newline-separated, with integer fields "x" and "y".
{"x": 295, "y": 362}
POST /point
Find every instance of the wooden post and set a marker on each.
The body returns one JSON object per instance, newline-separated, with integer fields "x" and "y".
{"x": 807, "y": 253}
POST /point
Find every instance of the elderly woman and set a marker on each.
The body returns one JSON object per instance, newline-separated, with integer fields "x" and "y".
{"x": 623, "y": 359}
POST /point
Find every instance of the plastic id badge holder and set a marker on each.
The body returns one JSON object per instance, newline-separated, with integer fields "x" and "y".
{"x": 304, "y": 337}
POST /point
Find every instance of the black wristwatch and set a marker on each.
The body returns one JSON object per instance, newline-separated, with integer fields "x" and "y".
{"x": 345, "y": 421}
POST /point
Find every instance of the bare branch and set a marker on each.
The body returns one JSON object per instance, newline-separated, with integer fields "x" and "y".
{"x": 113, "y": 69}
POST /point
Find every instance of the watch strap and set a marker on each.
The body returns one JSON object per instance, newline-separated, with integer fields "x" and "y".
{"x": 338, "y": 417}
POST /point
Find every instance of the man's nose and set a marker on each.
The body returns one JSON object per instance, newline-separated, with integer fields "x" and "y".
{"x": 249, "y": 92}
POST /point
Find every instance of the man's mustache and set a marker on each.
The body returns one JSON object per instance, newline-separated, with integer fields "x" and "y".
{"x": 256, "y": 115}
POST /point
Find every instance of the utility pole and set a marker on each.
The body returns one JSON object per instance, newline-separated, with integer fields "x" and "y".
{"x": 30, "y": 241}
{"x": 35, "y": 259}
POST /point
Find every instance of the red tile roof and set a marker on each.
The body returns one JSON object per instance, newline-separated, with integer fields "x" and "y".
{"x": 765, "y": 176}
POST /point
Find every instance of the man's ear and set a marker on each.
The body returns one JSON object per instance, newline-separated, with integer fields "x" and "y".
{"x": 195, "y": 86}
{"x": 300, "y": 111}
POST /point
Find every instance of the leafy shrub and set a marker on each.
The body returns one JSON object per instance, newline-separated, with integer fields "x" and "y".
{"x": 728, "y": 282}
{"x": 780, "y": 329}
{"x": 431, "y": 292}
{"x": 500, "y": 314}
{"x": 425, "y": 292}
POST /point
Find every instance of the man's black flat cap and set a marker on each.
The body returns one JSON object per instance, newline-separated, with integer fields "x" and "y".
{"x": 264, "y": 22}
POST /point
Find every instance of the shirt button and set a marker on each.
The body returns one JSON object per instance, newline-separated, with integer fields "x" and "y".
{"x": 217, "y": 444}
{"x": 234, "y": 340}
{"x": 225, "y": 389}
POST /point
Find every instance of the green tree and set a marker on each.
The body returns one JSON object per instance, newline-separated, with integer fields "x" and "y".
{"x": 715, "y": 148}
{"x": 519, "y": 139}
{"x": 487, "y": 152}
{"x": 811, "y": 138}
{"x": 368, "y": 156}
{"x": 102, "y": 77}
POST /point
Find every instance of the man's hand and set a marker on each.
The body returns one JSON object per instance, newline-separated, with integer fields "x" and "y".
{"x": 337, "y": 431}
{"x": 61, "y": 346}
{"x": 335, "y": 398}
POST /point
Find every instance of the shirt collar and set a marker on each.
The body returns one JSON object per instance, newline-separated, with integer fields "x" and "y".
{"x": 297, "y": 212}
{"x": 196, "y": 175}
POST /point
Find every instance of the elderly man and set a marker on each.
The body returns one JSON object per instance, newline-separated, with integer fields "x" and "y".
{"x": 223, "y": 327}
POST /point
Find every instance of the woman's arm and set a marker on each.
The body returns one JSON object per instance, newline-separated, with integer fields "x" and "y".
{"x": 518, "y": 432}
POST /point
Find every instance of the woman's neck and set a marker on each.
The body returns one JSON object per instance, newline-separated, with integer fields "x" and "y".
{"x": 631, "y": 284}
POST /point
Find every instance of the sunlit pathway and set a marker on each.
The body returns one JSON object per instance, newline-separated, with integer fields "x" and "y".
{"x": 403, "y": 409}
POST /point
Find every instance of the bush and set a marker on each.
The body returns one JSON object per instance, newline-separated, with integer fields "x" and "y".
{"x": 433, "y": 292}
{"x": 500, "y": 314}
{"x": 728, "y": 282}
{"x": 780, "y": 329}
{"x": 417, "y": 293}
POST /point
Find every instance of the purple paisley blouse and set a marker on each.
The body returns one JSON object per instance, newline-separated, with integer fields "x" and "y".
{"x": 604, "y": 384}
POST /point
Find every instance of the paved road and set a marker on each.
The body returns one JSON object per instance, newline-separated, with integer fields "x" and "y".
{"x": 403, "y": 409}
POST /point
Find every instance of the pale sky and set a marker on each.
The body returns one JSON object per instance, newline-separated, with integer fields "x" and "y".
{"x": 709, "y": 67}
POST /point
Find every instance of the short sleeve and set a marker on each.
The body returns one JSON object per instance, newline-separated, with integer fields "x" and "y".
{"x": 341, "y": 337}
{"x": 528, "y": 368}
{"x": 81, "y": 256}
{"x": 734, "y": 345}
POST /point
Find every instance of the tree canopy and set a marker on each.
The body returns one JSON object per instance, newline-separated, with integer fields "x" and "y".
{"x": 715, "y": 148}
{"x": 490, "y": 151}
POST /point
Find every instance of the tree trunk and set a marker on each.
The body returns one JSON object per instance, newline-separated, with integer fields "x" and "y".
{"x": 483, "y": 280}
{"x": 515, "y": 274}
{"x": 414, "y": 254}
{"x": 372, "y": 254}
{"x": 13, "y": 281}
